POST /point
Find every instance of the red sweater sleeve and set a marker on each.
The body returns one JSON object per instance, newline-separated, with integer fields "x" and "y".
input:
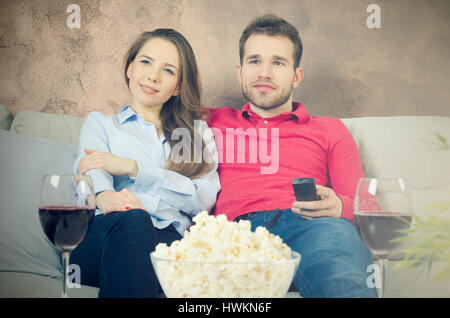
{"x": 344, "y": 166}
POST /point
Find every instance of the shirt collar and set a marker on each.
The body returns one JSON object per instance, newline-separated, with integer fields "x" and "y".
{"x": 299, "y": 113}
{"x": 125, "y": 113}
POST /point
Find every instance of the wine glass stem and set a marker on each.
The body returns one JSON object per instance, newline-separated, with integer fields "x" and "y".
{"x": 65, "y": 262}
{"x": 383, "y": 269}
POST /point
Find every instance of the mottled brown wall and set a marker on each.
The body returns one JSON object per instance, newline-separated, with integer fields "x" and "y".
{"x": 350, "y": 70}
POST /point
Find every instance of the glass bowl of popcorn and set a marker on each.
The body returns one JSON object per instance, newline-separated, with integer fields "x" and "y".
{"x": 217, "y": 258}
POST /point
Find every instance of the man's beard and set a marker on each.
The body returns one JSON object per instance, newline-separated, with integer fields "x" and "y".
{"x": 264, "y": 102}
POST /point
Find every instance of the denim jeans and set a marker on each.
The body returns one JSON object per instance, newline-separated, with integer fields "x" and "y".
{"x": 115, "y": 254}
{"x": 333, "y": 257}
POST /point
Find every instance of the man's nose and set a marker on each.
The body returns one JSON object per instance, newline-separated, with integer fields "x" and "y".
{"x": 265, "y": 71}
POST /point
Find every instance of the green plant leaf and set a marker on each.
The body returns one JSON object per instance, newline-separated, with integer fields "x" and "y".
{"x": 443, "y": 274}
{"x": 441, "y": 138}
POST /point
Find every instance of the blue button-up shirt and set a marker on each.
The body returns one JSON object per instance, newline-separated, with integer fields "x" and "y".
{"x": 169, "y": 197}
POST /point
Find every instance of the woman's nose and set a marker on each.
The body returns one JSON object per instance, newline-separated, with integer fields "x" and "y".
{"x": 153, "y": 74}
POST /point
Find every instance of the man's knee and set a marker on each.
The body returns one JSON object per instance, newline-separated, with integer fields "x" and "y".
{"x": 333, "y": 229}
{"x": 337, "y": 237}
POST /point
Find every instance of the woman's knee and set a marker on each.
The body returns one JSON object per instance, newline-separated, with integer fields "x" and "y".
{"x": 134, "y": 221}
{"x": 137, "y": 215}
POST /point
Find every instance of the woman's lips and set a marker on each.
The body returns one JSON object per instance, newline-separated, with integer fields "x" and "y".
{"x": 148, "y": 89}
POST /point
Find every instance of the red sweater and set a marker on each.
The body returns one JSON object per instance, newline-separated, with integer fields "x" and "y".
{"x": 257, "y": 174}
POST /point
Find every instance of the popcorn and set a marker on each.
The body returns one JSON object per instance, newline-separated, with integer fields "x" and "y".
{"x": 219, "y": 258}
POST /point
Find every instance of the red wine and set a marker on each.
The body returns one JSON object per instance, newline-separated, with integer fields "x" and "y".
{"x": 377, "y": 229}
{"x": 65, "y": 226}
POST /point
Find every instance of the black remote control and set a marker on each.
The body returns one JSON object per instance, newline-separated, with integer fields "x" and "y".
{"x": 305, "y": 189}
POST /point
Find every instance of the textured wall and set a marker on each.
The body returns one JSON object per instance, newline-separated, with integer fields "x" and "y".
{"x": 350, "y": 70}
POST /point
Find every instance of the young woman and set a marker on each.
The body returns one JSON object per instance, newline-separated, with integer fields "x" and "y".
{"x": 153, "y": 165}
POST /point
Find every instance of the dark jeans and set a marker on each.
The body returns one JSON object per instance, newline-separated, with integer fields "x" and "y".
{"x": 333, "y": 257}
{"x": 115, "y": 254}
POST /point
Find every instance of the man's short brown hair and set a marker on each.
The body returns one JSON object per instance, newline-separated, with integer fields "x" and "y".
{"x": 272, "y": 25}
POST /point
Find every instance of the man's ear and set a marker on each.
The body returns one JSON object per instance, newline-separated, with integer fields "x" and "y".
{"x": 239, "y": 73}
{"x": 298, "y": 76}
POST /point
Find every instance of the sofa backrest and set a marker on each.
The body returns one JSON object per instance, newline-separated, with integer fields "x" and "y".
{"x": 395, "y": 146}
{"x": 404, "y": 146}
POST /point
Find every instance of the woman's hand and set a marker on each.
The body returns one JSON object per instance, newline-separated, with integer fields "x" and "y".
{"x": 112, "y": 201}
{"x": 329, "y": 205}
{"x": 106, "y": 161}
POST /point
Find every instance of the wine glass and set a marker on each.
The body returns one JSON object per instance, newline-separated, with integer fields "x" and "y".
{"x": 66, "y": 207}
{"x": 382, "y": 207}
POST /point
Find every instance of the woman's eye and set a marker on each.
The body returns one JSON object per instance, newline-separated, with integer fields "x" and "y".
{"x": 145, "y": 61}
{"x": 253, "y": 62}
{"x": 278, "y": 63}
{"x": 169, "y": 71}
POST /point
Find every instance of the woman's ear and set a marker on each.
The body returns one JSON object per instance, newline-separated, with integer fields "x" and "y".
{"x": 177, "y": 90}
{"x": 129, "y": 70}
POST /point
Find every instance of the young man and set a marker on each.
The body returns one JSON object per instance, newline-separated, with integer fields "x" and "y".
{"x": 258, "y": 187}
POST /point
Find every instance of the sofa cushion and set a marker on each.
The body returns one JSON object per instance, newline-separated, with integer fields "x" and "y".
{"x": 57, "y": 127}
{"x": 6, "y": 118}
{"x": 24, "y": 160}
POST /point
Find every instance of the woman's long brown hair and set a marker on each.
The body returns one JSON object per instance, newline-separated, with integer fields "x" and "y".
{"x": 179, "y": 111}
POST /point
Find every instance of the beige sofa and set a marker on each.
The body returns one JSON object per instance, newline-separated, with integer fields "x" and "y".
{"x": 35, "y": 143}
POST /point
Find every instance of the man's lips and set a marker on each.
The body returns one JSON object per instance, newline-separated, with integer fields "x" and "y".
{"x": 148, "y": 89}
{"x": 263, "y": 86}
